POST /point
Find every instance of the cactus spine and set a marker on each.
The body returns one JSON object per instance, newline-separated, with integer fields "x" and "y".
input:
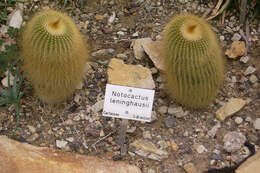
{"x": 193, "y": 60}
{"x": 54, "y": 55}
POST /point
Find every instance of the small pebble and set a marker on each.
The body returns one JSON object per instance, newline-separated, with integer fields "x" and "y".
{"x": 190, "y": 168}
{"x": 169, "y": 121}
{"x": 238, "y": 120}
{"x": 121, "y": 33}
{"x": 151, "y": 171}
{"x": 147, "y": 135}
{"x": 253, "y": 78}
{"x": 121, "y": 55}
{"x": 233, "y": 141}
{"x": 70, "y": 139}
{"x": 163, "y": 109}
{"x": 248, "y": 119}
{"x": 200, "y": 149}
{"x": 236, "y": 37}
{"x": 61, "y": 144}
{"x": 249, "y": 70}
{"x": 222, "y": 38}
{"x": 233, "y": 79}
{"x": 135, "y": 34}
{"x": 244, "y": 59}
{"x": 257, "y": 124}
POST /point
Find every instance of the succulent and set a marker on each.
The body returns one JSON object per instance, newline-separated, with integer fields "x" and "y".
{"x": 54, "y": 55}
{"x": 194, "y": 64}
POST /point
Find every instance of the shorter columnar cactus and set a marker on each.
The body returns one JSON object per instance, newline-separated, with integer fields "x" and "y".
{"x": 193, "y": 60}
{"x": 54, "y": 55}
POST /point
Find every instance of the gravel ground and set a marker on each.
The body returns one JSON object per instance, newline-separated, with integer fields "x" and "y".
{"x": 188, "y": 139}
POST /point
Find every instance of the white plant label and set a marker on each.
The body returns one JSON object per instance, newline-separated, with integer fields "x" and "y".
{"x": 128, "y": 103}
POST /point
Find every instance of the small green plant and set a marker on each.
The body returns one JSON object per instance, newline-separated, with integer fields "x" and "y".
{"x": 14, "y": 93}
{"x": 193, "y": 60}
{"x": 11, "y": 52}
{"x": 54, "y": 55}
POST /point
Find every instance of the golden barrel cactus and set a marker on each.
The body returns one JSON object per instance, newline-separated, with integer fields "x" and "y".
{"x": 193, "y": 60}
{"x": 54, "y": 55}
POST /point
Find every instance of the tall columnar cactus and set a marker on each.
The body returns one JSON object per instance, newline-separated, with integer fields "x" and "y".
{"x": 54, "y": 55}
{"x": 193, "y": 60}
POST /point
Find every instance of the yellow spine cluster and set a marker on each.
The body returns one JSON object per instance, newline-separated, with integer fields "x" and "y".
{"x": 54, "y": 55}
{"x": 194, "y": 61}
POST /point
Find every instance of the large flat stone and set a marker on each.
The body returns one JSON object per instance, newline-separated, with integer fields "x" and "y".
{"x": 129, "y": 75}
{"x": 154, "y": 51}
{"x": 252, "y": 165}
{"x": 16, "y": 157}
{"x": 138, "y": 47}
{"x": 229, "y": 108}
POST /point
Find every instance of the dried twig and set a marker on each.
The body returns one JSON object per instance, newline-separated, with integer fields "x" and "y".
{"x": 245, "y": 36}
{"x": 219, "y": 11}
{"x": 101, "y": 139}
{"x": 216, "y": 9}
{"x": 243, "y": 11}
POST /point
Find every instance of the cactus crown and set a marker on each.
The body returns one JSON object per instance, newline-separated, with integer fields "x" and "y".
{"x": 193, "y": 60}
{"x": 52, "y": 32}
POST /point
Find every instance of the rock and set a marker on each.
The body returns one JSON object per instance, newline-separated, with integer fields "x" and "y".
{"x": 162, "y": 109}
{"x": 229, "y": 108}
{"x": 250, "y": 165}
{"x": 3, "y": 30}
{"x": 237, "y": 49}
{"x": 154, "y": 116}
{"x": 131, "y": 129}
{"x": 149, "y": 149}
{"x": 169, "y": 121}
{"x": 112, "y": 18}
{"x": 213, "y": 131}
{"x": 121, "y": 55}
{"x": 99, "y": 17}
{"x": 5, "y": 80}
{"x": 129, "y": 75}
{"x": 236, "y": 37}
{"x": 33, "y": 137}
{"x": 253, "y": 78}
{"x": 257, "y": 124}
{"x": 238, "y": 120}
{"x": 189, "y": 168}
{"x": 233, "y": 79}
{"x": 103, "y": 52}
{"x": 61, "y": 144}
{"x": 222, "y": 38}
{"x": 244, "y": 59}
{"x": 174, "y": 146}
{"x": 120, "y": 33}
{"x": 18, "y": 157}
{"x": 31, "y": 128}
{"x": 76, "y": 117}
{"x": 15, "y": 19}
{"x": 153, "y": 50}
{"x": 70, "y": 139}
{"x": 136, "y": 34}
{"x": 249, "y": 70}
{"x": 178, "y": 112}
{"x": 233, "y": 141}
{"x": 138, "y": 49}
{"x": 98, "y": 106}
{"x": 147, "y": 135}
{"x": 151, "y": 171}
{"x": 200, "y": 148}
